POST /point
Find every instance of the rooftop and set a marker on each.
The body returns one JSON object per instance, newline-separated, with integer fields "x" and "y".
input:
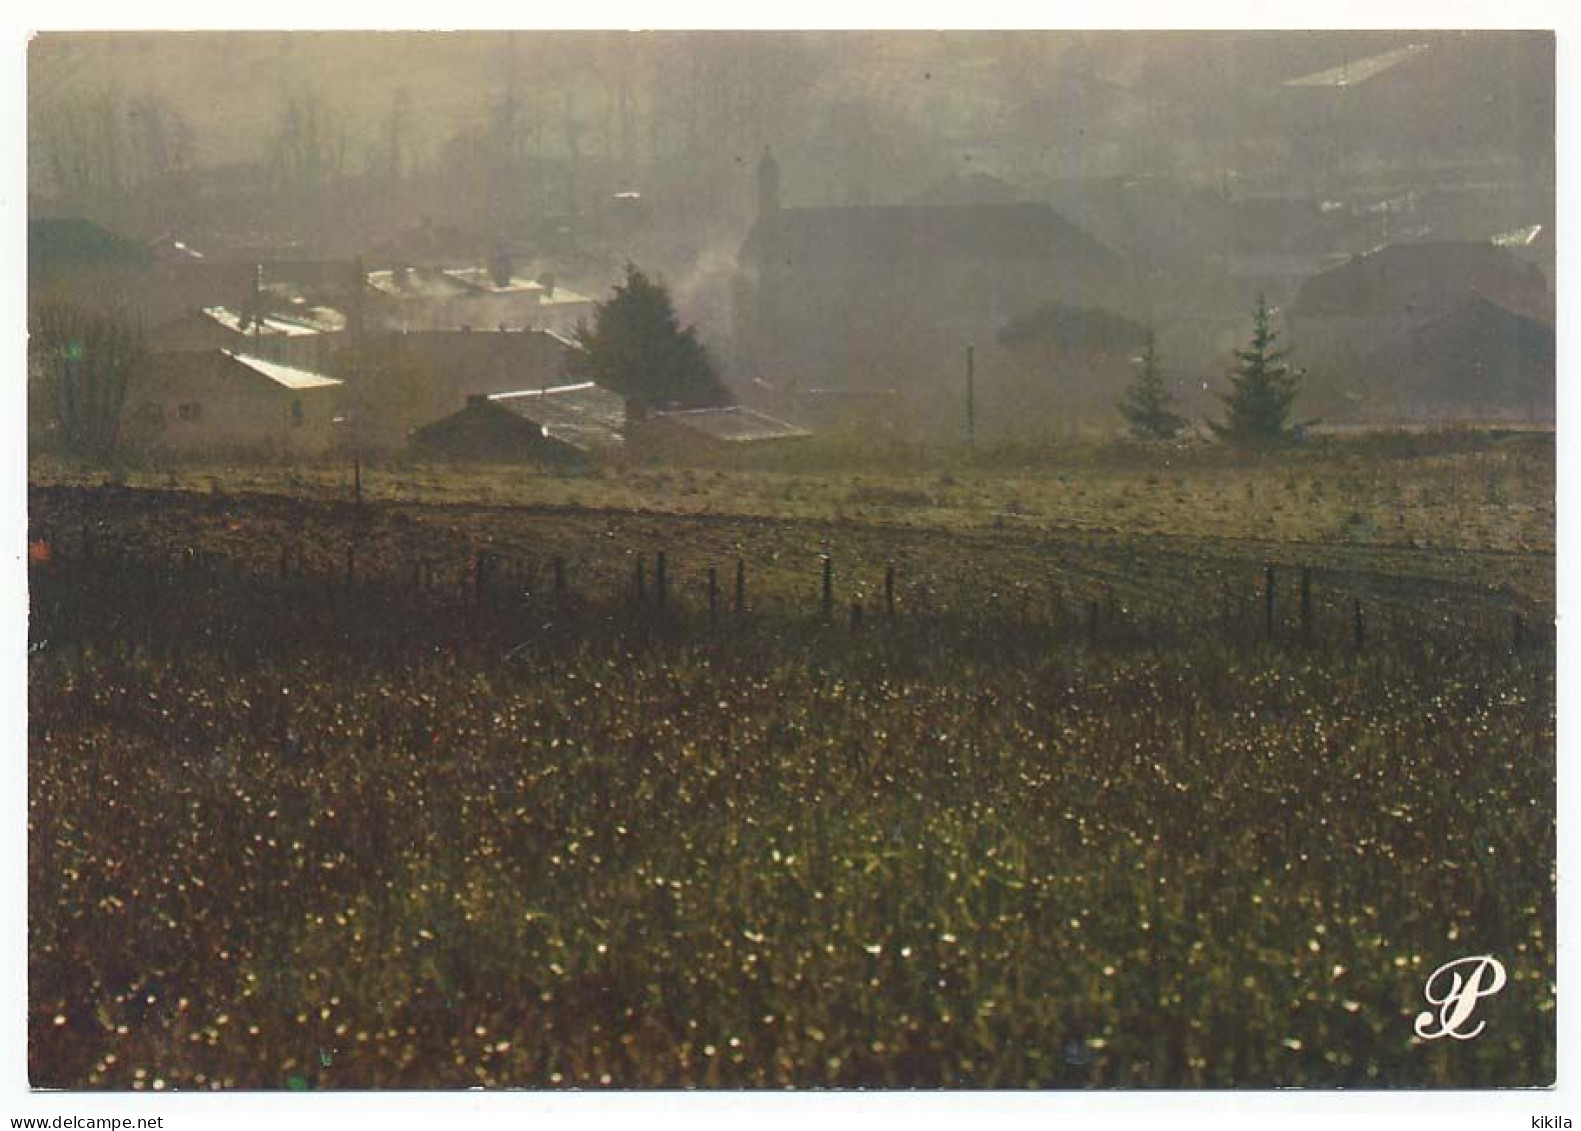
{"x": 287, "y": 376}
{"x": 270, "y": 325}
{"x": 1357, "y": 71}
{"x": 1421, "y": 278}
{"x": 584, "y": 415}
{"x": 886, "y": 234}
{"x": 415, "y": 282}
{"x": 482, "y": 279}
{"x": 324, "y": 319}
{"x": 733, "y": 424}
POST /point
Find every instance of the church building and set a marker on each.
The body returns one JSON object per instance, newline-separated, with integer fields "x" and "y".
{"x": 890, "y": 296}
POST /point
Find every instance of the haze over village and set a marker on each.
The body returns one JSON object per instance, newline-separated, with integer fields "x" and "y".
{"x": 776, "y": 560}
{"x": 387, "y": 242}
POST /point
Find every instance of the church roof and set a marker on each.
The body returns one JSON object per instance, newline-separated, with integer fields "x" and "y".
{"x": 975, "y": 187}
{"x": 917, "y": 233}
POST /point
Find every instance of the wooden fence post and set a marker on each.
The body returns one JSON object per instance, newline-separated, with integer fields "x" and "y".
{"x": 889, "y": 592}
{"x": 1092, "y": 622}
{"x": 828, "y": 587}
{"x": 1360, "y": 626}
{"x": 741, "y": 585}
{"x": 642, "y": 580}
{"x": 856, "y": 615}
{"x": 659, "y": 579}
{"x": 559, "y": 575}
{"x": 1268, "y": 601}
{"x": 1306, "y": 602}
{"x": 713, "y": 592}
{"x": 1519, "y": 632}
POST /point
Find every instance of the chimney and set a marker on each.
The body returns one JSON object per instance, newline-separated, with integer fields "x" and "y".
{"x": 254, "y": 319}
{"x": 500, "y": 267}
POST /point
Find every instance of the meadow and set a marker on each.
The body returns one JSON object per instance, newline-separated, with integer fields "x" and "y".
{"x": 428, "y": 793}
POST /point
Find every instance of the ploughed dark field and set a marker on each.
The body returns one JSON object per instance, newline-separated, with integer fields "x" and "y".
{"x": 431, "y": 796}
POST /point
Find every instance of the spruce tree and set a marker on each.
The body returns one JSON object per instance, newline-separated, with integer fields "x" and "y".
{"x": 1146, "y": 404}
{"x": 1262, "y": 389}
{"x": 637, "y": 347}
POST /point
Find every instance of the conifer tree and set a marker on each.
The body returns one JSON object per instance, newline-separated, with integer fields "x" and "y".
{"x": 637, "y": 347}
{"x": 1262, "y": 389}
{"x": 1146, "y": 404}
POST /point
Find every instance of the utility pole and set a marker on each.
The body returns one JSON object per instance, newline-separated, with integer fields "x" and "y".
{"x": 971, "y": 405}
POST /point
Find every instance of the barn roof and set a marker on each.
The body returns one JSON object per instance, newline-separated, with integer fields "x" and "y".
{"x": 486, "y": 430}
{"x": 1420, "y": 279}
{"x": 584, "y": 415}
{"x": 734, "y": 424}
{"x": 1482, "y": 317}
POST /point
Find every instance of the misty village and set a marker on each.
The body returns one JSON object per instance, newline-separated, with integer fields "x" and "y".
{"x": 779, "y": 559}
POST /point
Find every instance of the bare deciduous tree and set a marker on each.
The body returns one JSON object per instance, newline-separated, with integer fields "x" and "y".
{"x": 86, "y": 361}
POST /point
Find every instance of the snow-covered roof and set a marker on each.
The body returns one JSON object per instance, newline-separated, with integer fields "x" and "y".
{"x": 1519, "y": 237}
{"x": 415, "y": 282}
{"x": 268, "y": 325}
{"x": 288, "y": 376}
{"x": 733, "y": 424}
{"x": 1358, "y": 71}
{"x": 481, "y": 278}
{"x": 585, "y": 415}
{"x": 324, "y": 319}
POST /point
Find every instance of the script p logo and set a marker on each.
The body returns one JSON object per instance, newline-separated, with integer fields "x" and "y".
{"x": 1455, "y": 988}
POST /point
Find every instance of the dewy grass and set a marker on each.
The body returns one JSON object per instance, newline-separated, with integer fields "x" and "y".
{"x": 1068, "y": 819}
